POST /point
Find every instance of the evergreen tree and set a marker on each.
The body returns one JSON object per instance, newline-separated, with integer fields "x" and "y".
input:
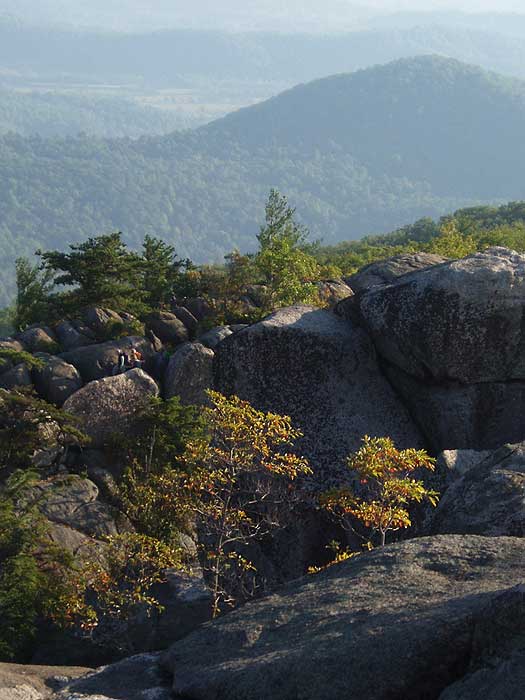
{"x": 99, "y": 272}
{"x": 161, "y": 270}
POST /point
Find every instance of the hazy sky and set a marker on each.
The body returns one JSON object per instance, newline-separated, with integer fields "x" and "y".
{"x": 232, "y": 14}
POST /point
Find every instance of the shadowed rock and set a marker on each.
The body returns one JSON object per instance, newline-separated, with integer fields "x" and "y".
{"x": 396, "y": 623}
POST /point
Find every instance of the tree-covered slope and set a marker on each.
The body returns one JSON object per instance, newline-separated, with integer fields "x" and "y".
{"x": 357, "y": 154}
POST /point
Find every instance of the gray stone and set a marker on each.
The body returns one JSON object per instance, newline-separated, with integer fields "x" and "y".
{"x": 489, "y": 499}
{"x": 57, "y": 381}
{"x": 167, "y": 327}
{"x": 39, "y": 339}
{"x": 321, "y": 371}
{"x": 19, "y": 682}
{"x": 497, "y": 659}
{"x": 70, "y": 338}
{"x": 97, "y": 361}
{"x": 9, "y": 344}
{"x": 16, "y": 377}
{"x": 451, "y": 339}
{"x": 332, "y": 292}
{"x": 212, "y": 338}
{"x": 460, "y": 321}
{"x": 189, "y": 373}
{"x": 73, "y": 501}
{"x": 198, "y": 307}
{"x": 111, "y": 405}
{"x": 136, "y": 678}
{"x": 100, "y": 320}
{"x": 389, "y": 270}
{"x": 396, "y": 622}
{"x": 187, "y": 318}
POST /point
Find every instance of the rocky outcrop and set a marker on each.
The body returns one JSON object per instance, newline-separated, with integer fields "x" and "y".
{"x": 16, "y": 377}
{"x": 167, "y": 327}
{"x": 35, "y": 682}
{"x": 39, "y": 339}
{"x": 70, "y": 338}
{"x": 391, "y": 269}
{"x": 189, "y": 373}
{"x": 321, "y": 371}
{"x": 395, "y": 623}
{"x": 187, "y": 318}
{"x": 101, "y": 321}
{"x": 74, "y": 502}
{"x": 57, "y": 380}
{"x": 97, "y": 361}
{"x": 333, "y": 291}
{"x": 489, "y": 499}
{"x": 452, "y": 342}
{"x": 212, "y": 338}
{"x": 111, "y": 405}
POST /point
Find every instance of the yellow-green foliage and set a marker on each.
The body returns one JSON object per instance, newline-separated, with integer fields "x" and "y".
{"x": 385, "y": 488}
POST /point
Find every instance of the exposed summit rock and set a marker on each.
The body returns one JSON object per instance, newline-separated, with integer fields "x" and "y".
{"x": 395, "y": 623}
{"x": 189, "y": 373}
{"x": 167, "y": 327}
{"x": 321, "y": 371}
{"x": 452, "y": 340}
{"x": 57, "y": 381}
{"x": 489, "y": 499}
{"x": 96, "y": 361}
{"x": 110, "y": 405}
{"x": 389, "y": 270}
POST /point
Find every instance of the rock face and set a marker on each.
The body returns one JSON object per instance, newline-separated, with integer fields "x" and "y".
{"x": 212, "y": 338}
{"x": 101, "y": 320}
{"x": 489, "y": 499}
{"x": 321, "y": 371}
{"x": 451, "y": 337}
{"x": 70, "y": 338}
{"x": 57, "y": 381}
{"x": 39, "y": 339}
{"x": 389, "y": 270}
{"x": 34, "y": 682}
{"x": 167, "y": 327}
{"x": 73, "y": 501}
{"x": 111, "y": 405}
{"x": 395, "y": 623}
{"x": 17, "y": 376}
{"x": 96, "y": 361}
{"x": 189, "y": 373}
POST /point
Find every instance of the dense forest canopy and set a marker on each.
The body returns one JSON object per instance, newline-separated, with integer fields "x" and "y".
{"x": 357, "y": 154}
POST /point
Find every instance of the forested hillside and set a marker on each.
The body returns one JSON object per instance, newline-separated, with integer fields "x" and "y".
{"x": 49, "y": 113}
{"x": 357, "y": 154}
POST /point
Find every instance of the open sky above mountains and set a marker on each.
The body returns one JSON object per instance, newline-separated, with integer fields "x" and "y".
{"x": 273, "y": 15}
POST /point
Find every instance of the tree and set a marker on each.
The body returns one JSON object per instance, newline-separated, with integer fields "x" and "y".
{"x": 451, "y": 242}
{"x": 112, "y": 584}
{"x": 151, "y": 487}
{"x": 288, "y": 272}
{"x": 239, "y": 484}
{"x": 161, "y": 269}
{"x": 34, "y": 286}
{"x": 386, "y": 488}
{"x": 98, "y": 272}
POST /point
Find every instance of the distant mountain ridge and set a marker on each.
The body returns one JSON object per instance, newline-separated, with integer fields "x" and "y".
{"x": 357, "y": 154}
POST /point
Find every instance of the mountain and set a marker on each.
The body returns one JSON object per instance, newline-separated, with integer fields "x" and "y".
{"x": 357, "y": 154}
{"x": 177, "y": 58}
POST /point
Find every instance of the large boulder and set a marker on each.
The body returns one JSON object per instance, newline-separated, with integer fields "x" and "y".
{"x": 389, "y": 270}
{"x": 71, "y": 338}
{"x": 73, "y": 501}
{"x": 333, "y": 291}
{"x": 189, "y": 373}
{"x": 397, "y": 622}
{"x": 57, "y": 380}
{"x": 321, "y": 371}
{"x": 39, "y": 339}
{"x": 212, "y": 338}
{"x": 489, "y": 499}
{"x": 187, "y": 318}
{"x": 111, "y": 405}
{"x": 167, "y": 327}
{"x": 97, "y": 361}
{"x": 102, "y": 321}
{"x": 18, "y": 682}
{"x": 452, "y": 343}
{"x": 15, "y": 378}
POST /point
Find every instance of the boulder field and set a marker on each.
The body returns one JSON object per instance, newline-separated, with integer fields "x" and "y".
{"x": 426, "y": 351}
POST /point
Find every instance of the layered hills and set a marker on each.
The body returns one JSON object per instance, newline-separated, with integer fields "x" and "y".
{"x": 357, "y": 153}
